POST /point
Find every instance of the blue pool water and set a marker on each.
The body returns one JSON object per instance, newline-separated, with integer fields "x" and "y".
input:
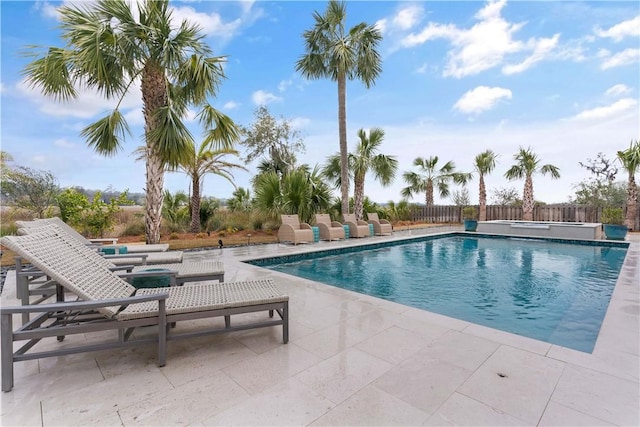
{"x": 547, "y": 290}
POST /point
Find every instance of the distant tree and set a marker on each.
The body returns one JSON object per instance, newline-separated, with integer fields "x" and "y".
{"x": 364, "y": 159}
{"x": 301, "y": 191}
{"x": 333, "y": 52}
{"x": 599, "y": 189}
{"x": 527, "y": 164}
{"x": 29, "y": 189}
{"x": 72, "y": 204}
{"x": 276, "y": 140}
{"x": 208, "y": 208}
{"x": 508, "y": 196}
{"x": 429, "y": 176}
{"x": 113, "y": 46}
{"x": 400, "y": 211}
{"x": 175, "y": 210}
{"x": 240, "y": 200}
{"x": 461, "y": 197}
{"x": 630, "y": 160}
{"x": 484, "y": 163}
{"x": 196, "y": 164}
{"x": 99, "y": 217}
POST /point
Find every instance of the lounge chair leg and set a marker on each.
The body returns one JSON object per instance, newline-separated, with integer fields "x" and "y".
{"x": 270, "y": 313}
{"x": 227, "y": 322}
{"x": 285, "y": 322}
{"x": 162, "y": 333}
{"x": 60, "y": 298}
{"x": 6, "y": 347}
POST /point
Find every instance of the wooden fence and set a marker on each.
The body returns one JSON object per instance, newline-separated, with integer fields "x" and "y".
{"x": 555, "y": 213}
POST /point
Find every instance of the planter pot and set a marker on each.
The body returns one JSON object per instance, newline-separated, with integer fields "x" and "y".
{"x": 470, "y": 224}
{"x": 615, "y": 232}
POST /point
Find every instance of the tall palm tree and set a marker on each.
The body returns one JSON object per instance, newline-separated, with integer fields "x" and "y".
{"x": 484, "y": 163}
{"x": 630, "y": 160}
{"x": 111, "y": 49}
{"x": 365, "y": 159}
{"x": 335, "y": 53}
{"x": 528, "y": 164}
{"x": 429, "y": 176}
{"x": 200, "y": 163}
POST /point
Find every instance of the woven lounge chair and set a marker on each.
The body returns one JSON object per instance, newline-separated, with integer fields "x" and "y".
{"x": 136, "y": 248}
{"x": 329, "y": 230}
{"x": 294, "y": 231}
{"x": 380, "y": 226}
{"x": 134, "y": 258}
{"x": 357, "y": 228}
{"x": 109, "y": 303}
{"x": 26, "y": 275}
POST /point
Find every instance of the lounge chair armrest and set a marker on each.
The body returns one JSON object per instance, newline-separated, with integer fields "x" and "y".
{"x": 384, "y": 221}
{"x": 335, "y": 224}
{"x": 44, "y": 308}
{"x": 361, "y": 222}
{"x": 304, "y": 226}
{"x": 113, "y": 241}
{"x": 127, "y": 268}
{"x": 134, "y": 256}
{"x": 173, "y": 274}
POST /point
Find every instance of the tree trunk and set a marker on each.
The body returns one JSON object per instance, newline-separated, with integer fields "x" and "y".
{"x": 195, "y": 204}
{"x": 154, "y": 96}
{"x": 428, "y": 198}
{"x": 527, "y": 199}
{"x": 482, "y": 200}
{"x": 342, "y": 131}
{"x": 632, "y": 202}
{"x": 358, "y": 196}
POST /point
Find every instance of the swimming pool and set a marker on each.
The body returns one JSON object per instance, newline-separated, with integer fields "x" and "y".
{"x": 543, "y": 289}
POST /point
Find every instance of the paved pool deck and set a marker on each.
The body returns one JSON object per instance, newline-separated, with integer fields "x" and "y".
{"x": 352, "y": 359}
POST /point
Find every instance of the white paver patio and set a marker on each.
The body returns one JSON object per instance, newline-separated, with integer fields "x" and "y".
{"x": 352, "y": 359}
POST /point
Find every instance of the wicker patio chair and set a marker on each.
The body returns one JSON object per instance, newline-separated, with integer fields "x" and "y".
{"x": 380, "y": 226}
{"x": 357, "y": 228}
{"x": 294, "y": 231}
{"x": 106, "y": 302}
{"x": 136, "y": 248}
{"x": 329, "y": 230}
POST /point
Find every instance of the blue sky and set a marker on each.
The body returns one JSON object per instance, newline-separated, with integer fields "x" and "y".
{"x": 458, "y": 78}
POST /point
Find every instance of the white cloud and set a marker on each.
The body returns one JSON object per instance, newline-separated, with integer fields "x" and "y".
{"x": 618, "y": 32}
{"x": 381, "y": 25}
{"x": 626, "y": 57}
{"x": 261, "y": 97}
{"x": 481, "y": 99}
{"x": 284, "y": 84}
{"x": 48, "y": 10}
{"x": 1, "y": 87}
{"x": 617, "y": 90}
{"x": 300, "y": 122}
{"x": 63, "y": 143}
{"x": 485, "y": 45}
{"x": 134, "y": 117}
{"x": 212, "y": 23}
{"x": 407, "y": 17}
{"x": 541, "y": 49}
{"x": 422, "y": 69}
{"x": 614, "y": 110}
{"x": 88, "y": 104}
{"x": 231, "y": 105}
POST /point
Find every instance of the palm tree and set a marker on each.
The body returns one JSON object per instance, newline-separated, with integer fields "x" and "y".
{"x": 365, "y": 158}
{"x": 429, "y": 176}
{"x": 630, "y": 160}
{"x": 111, "y": 49}
{"x": 200, "y": 163}
{"x": 175, "y": 209}
{"x": 527, "y": 165}
{"x": 240, "y": 200}
{"x": 335, "y": 53}
{"x": 301, "y": 191}
{"x": 484, "y": 164}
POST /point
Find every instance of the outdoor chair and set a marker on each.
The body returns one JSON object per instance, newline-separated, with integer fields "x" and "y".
{"x": 380, "y": 226}
{"x": 329, "y": 230}
{"x": 357, "y": 228}
{"x": 113, "y": 241}
{"x": 28, "y": 283}
{"x": 294, "y": 231}
{"x": 106, "y": 302}
{"x": 127, "y": 258}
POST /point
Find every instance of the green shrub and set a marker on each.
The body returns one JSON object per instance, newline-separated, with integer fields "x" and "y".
{"x": 134, "y": 229}
{"x": 469, "y": 212}
{"x": 612, "y": 216}
{"x": 174, "y": 236}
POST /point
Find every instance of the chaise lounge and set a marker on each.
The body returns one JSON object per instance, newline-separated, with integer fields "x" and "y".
{"x": 380, "y": 226}
{"x": 329, "y": 230}
{"x": 294, "y": 231}
{"x": 357, "y": 228}
{"x": 106, "y": 302}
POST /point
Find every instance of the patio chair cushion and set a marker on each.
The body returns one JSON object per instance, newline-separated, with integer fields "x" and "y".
{"x": 153, "y": 281}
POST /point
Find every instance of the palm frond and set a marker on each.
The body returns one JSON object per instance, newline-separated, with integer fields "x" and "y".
{"x": 106, "y": 135}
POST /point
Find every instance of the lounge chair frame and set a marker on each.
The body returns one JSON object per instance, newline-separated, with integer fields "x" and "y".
{"x": 380, "y": 226}
{"x": 72, "y": 268}
{"x": 294, "y": 231}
